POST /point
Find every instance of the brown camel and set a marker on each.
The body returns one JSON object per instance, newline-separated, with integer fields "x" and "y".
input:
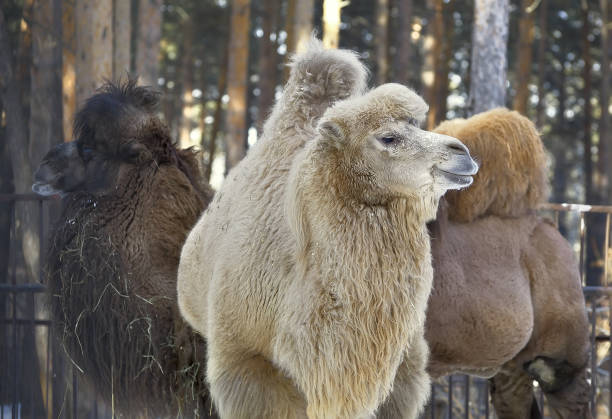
{"x": 507, "y": 301}
{"x": 129, "y": 199}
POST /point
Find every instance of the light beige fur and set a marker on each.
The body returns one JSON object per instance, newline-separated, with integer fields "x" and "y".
{"x": 512, "y": 176}
{"x": 310, "y": 271}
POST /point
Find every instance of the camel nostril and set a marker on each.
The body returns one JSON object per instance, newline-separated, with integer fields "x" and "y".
{"x": 458, "y": 148}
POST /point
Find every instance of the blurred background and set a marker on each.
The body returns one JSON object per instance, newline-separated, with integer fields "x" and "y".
{"x": 54, "y": 53}
{"x": 220, "y": 64}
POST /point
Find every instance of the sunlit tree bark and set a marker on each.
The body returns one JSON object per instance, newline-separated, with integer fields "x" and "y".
{"x": 302, "y": 24}
{"x": 382, "y": 40}
{"x": 147, "y": 41}
{"x": 122, "y": 34}
{"x": 524, "y": 53}
{"x": 543, "y": 30}
{"x": 236, "y": 129}
{"x": 489, "y": 42}
{"x": 402, "y": 56}
{"x": 331, "y": 22}
{"x": 94, "y": 46}
{"x": 268, "y": 61}
{"x": 604, "y": 150}
{"x": 68, "y": 68}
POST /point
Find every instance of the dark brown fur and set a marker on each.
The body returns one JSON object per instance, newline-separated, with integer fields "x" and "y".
{"x": 114, "y": 255}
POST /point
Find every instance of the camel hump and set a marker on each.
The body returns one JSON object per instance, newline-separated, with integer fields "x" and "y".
{"x": 319, "y": 78}
{"x": 513, "y": 165}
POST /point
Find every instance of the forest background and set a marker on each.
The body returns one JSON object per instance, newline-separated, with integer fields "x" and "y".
{"x": 220, "y": 64}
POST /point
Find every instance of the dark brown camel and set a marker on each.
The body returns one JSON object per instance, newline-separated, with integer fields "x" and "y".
{"x": 129, "y": 199}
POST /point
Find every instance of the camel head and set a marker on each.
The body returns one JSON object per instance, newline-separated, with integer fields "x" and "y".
{"x": 386, "y": 153}
{"x": 115, "y": 130}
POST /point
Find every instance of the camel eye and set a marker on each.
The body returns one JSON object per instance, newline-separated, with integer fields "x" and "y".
{"x": 388, "y": 140}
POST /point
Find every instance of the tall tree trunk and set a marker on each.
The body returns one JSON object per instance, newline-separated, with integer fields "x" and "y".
{"x": 445, "y": 61}
{"x": 45, "y": 130}
{"x": 291, "y": 38}
{"x": 524, "y": 53}
{"x": 331, "y": 22}
{"x": 302, "y": 24}
{"x": 147, "y": 41}
{"x": 543, "y": 26}
{"x": 68, "y": 68}
{"x": 402, "y": 57}
{"x": 187, "y": 84}
{"x": 237, "y": 70}
{"x": 122, "y": 36}
{"x": 434, "y": 88}
{"x": 268, "y": 61}
{"x": 604, "y": 149}
{"x": 586, "y": 91}
{"x": 382, "y": 41}
{"x": 94, "y": 42}
{"x": 212, "y": 142}
{"x": 489, "y": 41}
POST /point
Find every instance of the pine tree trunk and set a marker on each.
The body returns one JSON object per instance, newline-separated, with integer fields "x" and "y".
{"x": 445, "y": 61}
{"x": 147, "y": 42}
{"x": 586, "y": 76}
{"x": 402, "y": 56}
{"x": 604, "y": 150}
{"x": 434, "y": 90}
{"x": 331, "y": 22}
{"x": 94, "y": 43}
{"x": 524, "y": 53}
{"x": 122, "y": 34}
{"x": 489, "y": 41}
{"x": 187, "y": 84}
{"x": 302, "y": 24}
{"x": 268, "y": 61}
{"x": 543, "y": 24}
{"x": 68, "y": 68}
{"x": 291, "y": 43}
{"x": 236, "y": 129}
{"x": 212, "y": 143}
{"x": 382, "y": 41}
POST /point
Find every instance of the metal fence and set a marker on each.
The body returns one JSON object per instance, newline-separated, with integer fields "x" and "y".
{"x": 37, "y": 380}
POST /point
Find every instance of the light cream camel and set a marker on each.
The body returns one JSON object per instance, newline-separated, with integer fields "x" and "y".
{"x": 310, "y": 271}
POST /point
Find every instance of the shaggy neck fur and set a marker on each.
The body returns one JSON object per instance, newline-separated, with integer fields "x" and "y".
{"x": 381, "y": 298}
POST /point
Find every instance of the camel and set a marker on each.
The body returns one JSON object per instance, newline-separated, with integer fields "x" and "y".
{"x": 129, "y": 199}
{"x": 507, "y": 301}
{"x": 310, "y": 271}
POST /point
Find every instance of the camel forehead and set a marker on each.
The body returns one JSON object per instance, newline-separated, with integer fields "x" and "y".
{"x": 383, "y": 105}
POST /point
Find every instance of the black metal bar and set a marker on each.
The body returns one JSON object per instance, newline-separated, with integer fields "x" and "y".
{"x": 450, "y": 397}
{"x": 593, "y": 355}
{"x": 488, "y": 399}
{"x": 15, "y": 197}
{"x": 467, "y": 397}
{"x": 22, "y": 287}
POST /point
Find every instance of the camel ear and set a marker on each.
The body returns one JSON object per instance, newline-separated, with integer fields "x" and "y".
{"x": 331, "y": 130}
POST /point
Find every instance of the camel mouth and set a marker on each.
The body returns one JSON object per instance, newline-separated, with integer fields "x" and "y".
{"x": 44, "y": 189}
{"x": 460, "y": 179}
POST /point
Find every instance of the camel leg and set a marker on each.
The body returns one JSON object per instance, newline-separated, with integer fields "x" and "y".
{"x": 566, "y": 388}
{"x": 411, "y": 386}
{"x": 512, "y": 393}
{"x": 251, "y": 387}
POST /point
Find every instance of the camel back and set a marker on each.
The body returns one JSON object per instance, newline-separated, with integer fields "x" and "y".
{"x": 512, "y": 178}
